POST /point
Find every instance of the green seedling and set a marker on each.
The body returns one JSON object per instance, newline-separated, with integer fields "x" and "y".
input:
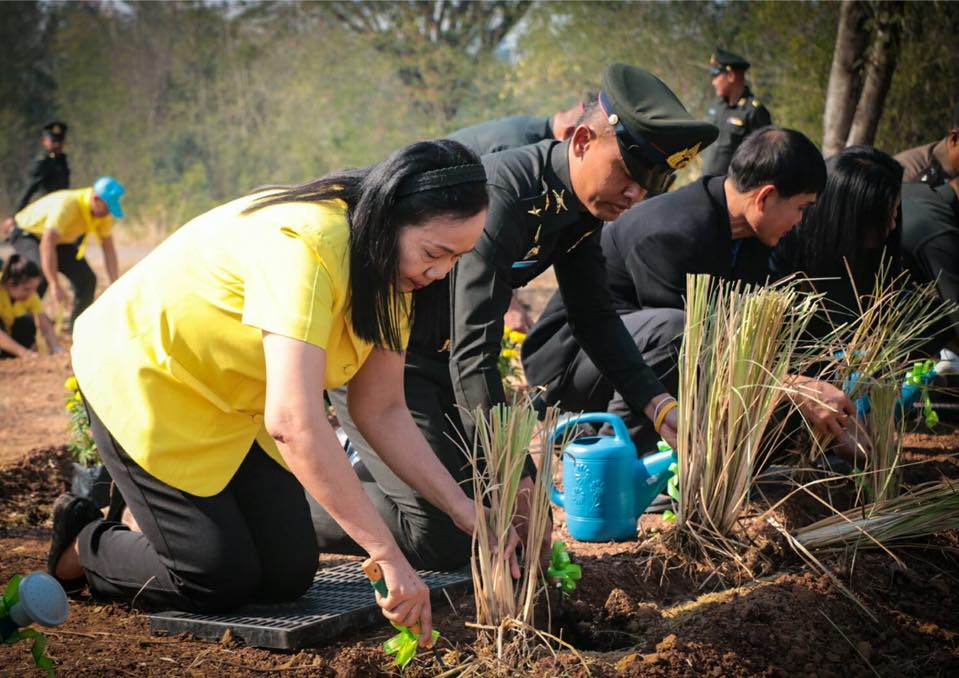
{"x": 404, "y": 644}
{"x": 562, "y": 572}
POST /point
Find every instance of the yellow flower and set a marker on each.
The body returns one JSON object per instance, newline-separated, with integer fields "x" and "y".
{"x": 506, "y": 331}
{"x": 509, "y": 353}
{"x": 71, "y": 384}
{"x": 517, "y": 337}
{"x": 78, "y": 397}
{"x": 71, "y": 405}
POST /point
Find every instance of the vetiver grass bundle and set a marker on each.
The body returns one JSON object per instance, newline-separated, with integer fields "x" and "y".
{"x": 883, "y": 474}
{"x": 500, "y": 449}
{"x": 923, "y": 511}
{"x": 738, "y": 348}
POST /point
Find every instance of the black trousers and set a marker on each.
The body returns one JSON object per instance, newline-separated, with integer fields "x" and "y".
{"x": 23, "y": 331}
{"x": 252, "y": 542}
{"x": 426, "y": 535}
{"x": 78, "y": 272}
{"x": 658, "y": 333}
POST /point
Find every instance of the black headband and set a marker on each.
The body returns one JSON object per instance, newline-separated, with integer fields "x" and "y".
{"x": 442, "y": 178}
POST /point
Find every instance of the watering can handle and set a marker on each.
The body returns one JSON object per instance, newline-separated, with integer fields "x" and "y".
{"x": 619, "y": 428}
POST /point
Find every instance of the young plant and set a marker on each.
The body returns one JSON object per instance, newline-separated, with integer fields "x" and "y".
{"x": 883, "y": 474}
{"x": 81, "y": 444}
{"x": 738, "y": 348}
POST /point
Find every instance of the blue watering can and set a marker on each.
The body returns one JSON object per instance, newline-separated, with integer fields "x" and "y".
{"x": 606, "y": 488}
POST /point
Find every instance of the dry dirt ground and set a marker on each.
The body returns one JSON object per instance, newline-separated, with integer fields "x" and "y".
{"x": 641, "y": 609}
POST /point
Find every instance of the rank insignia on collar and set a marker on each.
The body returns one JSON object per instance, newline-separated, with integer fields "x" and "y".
{"x": 560, "y": 200}
{"x": 680, "y": 159}
{"x": 546, "y": 204}
{"x": 536, "y": 211}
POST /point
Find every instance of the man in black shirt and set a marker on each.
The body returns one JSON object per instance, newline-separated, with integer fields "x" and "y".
{"x": 514, "y": 131}
{"x": 547, "y": 206}
{"x": 723, "y": 226}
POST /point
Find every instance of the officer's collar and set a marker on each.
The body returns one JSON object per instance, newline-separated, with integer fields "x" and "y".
{"x": 557, "y": 177}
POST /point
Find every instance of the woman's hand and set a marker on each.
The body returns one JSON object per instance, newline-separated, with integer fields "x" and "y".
{"x": 669, "y": 428}
{"x": 464, "y": 517}
{"x": 408, "y": 602}
{"x": 824, "y": 406}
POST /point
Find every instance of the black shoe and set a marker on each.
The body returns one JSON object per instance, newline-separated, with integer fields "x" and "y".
{"x": 70, "y": 515}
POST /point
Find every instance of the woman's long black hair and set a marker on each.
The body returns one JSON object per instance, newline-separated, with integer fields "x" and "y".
{"x": 18, "y": 269}
{"x": 848, "y": 221}
{"x": 376, "y": 214}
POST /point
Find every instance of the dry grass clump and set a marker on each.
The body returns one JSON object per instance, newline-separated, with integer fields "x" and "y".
{"x": 740, "y": 344}
{"x": 883, "y": 474}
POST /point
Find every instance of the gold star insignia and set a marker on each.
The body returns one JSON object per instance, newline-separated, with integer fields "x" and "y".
{"x": 546, "y": 204}
{"x": 536, "y": 211}
{"x": 533, "y": 252}
{"x": 680, "y": 159}
{"x": 560, "y": 200}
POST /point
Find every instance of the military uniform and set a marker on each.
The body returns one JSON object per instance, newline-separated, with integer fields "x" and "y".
{"x": 535, "y": 220}
{"x": 648, "y": 252}
{"x": 50, "y": 171}
{"x": 735, "y": 120}
{"x": 930, "y": 240}
{"x": 498, "y": 135}
{"x": 924, "y": 164}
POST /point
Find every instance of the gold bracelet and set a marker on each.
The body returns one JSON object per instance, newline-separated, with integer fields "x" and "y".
{"x": 661, "y": 417}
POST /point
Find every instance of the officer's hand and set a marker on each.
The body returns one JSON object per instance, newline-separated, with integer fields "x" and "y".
{"x": 518, "y": 317}
{"x": 669, "y": 431}
{"x": 823, "y": 405}
{"x": 408, "y": 602}
{"x": 854, "y": 445}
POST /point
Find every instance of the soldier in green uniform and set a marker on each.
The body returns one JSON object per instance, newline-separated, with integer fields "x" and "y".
{"x": 736, "y": 111}
{"x": 50, "y": 171}
{"x": 548, "y": 202}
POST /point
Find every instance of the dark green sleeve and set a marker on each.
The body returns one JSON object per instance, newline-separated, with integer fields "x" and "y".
{"x": 760, "y": 118}
{"x": 480, "y": 290}
{"x": 939, "y": 257}
{"x": 37, "y": 174}
{"x": 581, "y": 274}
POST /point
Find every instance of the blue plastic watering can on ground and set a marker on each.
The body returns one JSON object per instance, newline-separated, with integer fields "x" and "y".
{"x": 605, "y": 487}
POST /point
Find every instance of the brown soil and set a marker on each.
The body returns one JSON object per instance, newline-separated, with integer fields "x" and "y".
{"x": 641, "y": 608}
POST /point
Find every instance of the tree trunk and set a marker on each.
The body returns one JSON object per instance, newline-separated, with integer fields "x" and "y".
{"x": 880, "y": 66}
{"x": 845, "y": 81}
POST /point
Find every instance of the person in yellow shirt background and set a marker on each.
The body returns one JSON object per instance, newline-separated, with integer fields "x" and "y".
{"x": 54, "y": 233}
{"x": 20, "y": 310}
{"x": 203, "y": 371}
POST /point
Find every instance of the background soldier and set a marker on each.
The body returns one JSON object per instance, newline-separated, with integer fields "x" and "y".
{"x": 514, "y": 131}
{"x": 736, "y": 112}
{"x": 50, "y": 171}
{"x": 935, "y": 163}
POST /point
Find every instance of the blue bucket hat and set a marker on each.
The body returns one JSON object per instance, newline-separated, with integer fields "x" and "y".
{"x": 109, "y": 190}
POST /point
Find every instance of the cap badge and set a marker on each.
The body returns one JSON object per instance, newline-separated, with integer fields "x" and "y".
{"x": 56, "y": 129}
{"x": 680, "y": 159}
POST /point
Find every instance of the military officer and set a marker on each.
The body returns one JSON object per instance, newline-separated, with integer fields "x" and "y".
{"x": 724, "y": 226}
{"x": 736, "y": 111}
{"x": 514, "y": 131}
{"x": 50, "y": 171}
{"x": 936, "y": 163}
{"x": 502, "y": 134}
{"x": 548, "y": 202}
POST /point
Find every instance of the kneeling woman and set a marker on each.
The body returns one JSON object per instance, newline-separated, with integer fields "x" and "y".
{"x": 20, "y": 310}
{"x": 200, "y": 369}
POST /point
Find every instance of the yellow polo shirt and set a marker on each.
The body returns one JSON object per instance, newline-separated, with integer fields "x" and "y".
{"x": 10, "y": 310}
{"x": 69, "y": 212}
{"x": 171, "y": 355}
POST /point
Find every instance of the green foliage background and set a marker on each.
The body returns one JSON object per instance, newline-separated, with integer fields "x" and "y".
{"x": 191, "y": 103}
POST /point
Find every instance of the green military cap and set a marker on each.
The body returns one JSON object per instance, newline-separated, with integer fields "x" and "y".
{"x": 56, "y": 130}
{"x": 656, "y": 134}
{"x": 723, "y": 60}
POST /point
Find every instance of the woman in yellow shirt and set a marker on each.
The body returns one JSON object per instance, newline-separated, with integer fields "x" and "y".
{"x": 20, "y": 310}
{"x": 203, "y": 371}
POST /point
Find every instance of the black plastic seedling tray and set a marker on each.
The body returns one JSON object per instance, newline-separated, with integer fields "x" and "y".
{"x": 340, "y": 598}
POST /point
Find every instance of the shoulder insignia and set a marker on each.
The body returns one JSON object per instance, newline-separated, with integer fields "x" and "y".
{"x": 546, "y": 204}
{"x": 739, "y": 122}
{"x": 756, "y": 103}
{"x": 560, "y": 200}
{"x": 741, "y": 102}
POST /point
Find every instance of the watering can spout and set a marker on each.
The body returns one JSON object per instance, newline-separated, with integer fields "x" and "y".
{"x": 652, "y": 474}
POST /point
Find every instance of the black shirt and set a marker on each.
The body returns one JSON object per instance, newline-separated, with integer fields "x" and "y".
{"x": 535, "y": 221}
{"x": 649, "y": 250}
{"x": 50, "y": 172}
{"x": 930, "y": 239}
{"x": 504, "y": 133}
{"x": 735, "y": 122}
